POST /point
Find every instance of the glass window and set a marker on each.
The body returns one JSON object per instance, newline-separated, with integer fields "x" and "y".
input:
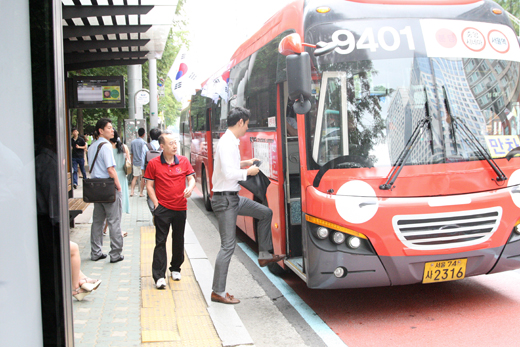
{"x": 332, "y": 130}
{"x": 385, "y": 101}
{"x": 252, "y": 83}
{"x": 198, "y": 113}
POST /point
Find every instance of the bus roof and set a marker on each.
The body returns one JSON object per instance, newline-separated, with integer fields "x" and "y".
{"x": 416, "y": 2}
{"x": 289, "y": 17}
{"x": 295, "y": 15}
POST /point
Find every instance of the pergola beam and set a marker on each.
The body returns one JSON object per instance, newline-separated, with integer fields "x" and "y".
{"x": 85, "y": 57}
{"x": 79, "y": 31}
{"x": 103, "y": 63}
{"x": 69, "y": 12}
{"x": 77, "y": 46}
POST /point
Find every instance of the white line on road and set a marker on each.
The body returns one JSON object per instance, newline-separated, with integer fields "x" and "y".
{"x": 315, "y": 322}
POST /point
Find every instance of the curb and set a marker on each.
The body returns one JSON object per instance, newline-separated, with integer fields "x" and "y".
{"x": 228, "y": 324}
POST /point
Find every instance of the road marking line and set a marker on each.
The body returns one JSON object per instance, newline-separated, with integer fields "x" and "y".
{"x": 315, "y": 322}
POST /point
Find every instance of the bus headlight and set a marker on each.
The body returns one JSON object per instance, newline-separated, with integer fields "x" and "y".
{"x": 516, "y": 229}
{"x": 322, "y": 233}
{"x": 354, "y": 242}
{"x": 338, "y": 238}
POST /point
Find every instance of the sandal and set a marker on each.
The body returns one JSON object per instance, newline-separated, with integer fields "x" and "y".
{"x": 89, "y": 284}
{"x": 80, "y": 293}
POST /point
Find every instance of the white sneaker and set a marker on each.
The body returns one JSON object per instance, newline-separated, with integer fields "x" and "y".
{"x": 161, "y": 283}
{"x": 176, "y": 276}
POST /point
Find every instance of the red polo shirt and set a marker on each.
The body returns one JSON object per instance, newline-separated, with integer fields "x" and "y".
{"x": 170, "y": 181}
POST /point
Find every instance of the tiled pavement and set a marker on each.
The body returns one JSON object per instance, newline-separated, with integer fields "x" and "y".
{"x": 110, "y": 316}
{"x": 126, "y": 310}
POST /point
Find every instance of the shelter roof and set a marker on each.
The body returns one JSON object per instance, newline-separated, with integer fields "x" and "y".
{"x": 98, "y": 33}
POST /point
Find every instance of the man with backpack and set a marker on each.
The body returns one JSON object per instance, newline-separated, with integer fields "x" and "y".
{"x": 150, "y": 151}
{"x": 137, "y": 148}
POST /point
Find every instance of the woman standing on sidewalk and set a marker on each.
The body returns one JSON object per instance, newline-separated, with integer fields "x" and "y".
{"x": 121, "y": 155}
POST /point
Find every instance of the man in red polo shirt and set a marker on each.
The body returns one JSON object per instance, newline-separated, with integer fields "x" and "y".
{"x": 166, "y": 185}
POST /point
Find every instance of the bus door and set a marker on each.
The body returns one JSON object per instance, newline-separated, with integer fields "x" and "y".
{"x": 292, "y": 186}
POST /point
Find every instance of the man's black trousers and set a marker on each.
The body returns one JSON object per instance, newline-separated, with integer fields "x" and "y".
{"x": 163, "y": 219}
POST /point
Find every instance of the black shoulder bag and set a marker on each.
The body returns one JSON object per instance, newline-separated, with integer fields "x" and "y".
{"x": 99, "y": 189}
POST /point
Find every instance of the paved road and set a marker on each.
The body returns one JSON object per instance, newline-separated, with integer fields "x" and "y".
{"x": 265, "y": 312}
{"x": 477, "y": 311}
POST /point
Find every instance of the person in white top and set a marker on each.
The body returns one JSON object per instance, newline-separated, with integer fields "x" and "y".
{"x": 227, "y": 204}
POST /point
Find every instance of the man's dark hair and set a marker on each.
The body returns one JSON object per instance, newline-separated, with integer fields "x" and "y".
{"x": 101, "y": 124}
{"x": 140, "y": 132}
{"x": 237, "y": 114}
{"x": 74, "y": 128}
{"x": 155, "y": 133}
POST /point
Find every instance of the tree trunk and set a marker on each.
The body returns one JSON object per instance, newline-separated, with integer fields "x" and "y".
{"x": 79, "y": 121}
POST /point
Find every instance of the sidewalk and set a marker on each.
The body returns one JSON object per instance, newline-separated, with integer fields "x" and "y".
{"x": 127, "y": 309}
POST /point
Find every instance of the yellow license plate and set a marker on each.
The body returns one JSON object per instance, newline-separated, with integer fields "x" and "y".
{"x": 445, "y": 270}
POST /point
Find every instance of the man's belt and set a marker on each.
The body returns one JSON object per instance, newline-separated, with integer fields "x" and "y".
{"x": 225, "y": 193}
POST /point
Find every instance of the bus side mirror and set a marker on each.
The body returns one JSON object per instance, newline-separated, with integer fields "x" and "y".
{"x": 299, "y": 81}
{"x": 291, "y": 44}
{"x": 299, "y": 68}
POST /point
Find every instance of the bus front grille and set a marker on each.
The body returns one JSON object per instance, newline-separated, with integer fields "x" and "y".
{"x": 447, "y": 230}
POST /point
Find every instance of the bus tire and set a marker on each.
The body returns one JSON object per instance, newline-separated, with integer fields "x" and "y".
{"x": 276, "y": 269}
{"x": 205, "y": 193}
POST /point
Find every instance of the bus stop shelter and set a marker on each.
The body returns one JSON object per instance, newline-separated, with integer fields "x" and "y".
{"x": 41, "y": 42}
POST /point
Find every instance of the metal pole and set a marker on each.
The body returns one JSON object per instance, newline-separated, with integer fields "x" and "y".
{"x": 135, "y": 82}
{"x": 154, "y": 117}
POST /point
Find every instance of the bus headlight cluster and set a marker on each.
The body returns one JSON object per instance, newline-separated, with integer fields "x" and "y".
{"x": 516, "y": 229}
{"x": 338, "y": 237}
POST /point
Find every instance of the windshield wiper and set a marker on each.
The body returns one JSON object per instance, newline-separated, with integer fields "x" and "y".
{"x": 448, "y": 111}
{"x": 405, "y": 153}
{"x": 473, "y": 140}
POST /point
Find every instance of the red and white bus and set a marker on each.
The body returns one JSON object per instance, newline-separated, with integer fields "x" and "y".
{"x": 398, "y": 171}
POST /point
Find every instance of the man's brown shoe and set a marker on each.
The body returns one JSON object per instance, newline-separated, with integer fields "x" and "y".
{"x": 229, "y": 299}
{"x": 274, "y": 259}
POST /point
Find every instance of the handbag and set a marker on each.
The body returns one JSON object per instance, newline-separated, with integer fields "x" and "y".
{"x": 128, "y": 167}
{"x": 99, "y": 189}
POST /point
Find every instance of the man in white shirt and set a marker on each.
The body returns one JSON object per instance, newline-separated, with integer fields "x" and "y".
{"x": 227, "y": 204}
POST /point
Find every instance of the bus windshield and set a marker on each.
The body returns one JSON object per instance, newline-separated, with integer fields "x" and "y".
{"x": 367, "y": 109}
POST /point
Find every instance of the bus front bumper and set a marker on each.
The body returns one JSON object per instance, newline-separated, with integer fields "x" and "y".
{"x": 362, "y": 271}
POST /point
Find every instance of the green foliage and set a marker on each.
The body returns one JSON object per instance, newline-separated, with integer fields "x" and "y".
{"x": 167, "y": 105}
{"x": 513, "y": 7}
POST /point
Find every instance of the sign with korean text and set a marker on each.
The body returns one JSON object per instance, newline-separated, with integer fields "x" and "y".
{"x": 455, "y": 38}
{"x": 500, "y": 145}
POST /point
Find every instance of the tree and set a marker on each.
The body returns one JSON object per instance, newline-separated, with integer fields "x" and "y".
{"x": 513, "y": 7}
{"x": 167, "y": 104}
{"x": 178, "y": 36}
